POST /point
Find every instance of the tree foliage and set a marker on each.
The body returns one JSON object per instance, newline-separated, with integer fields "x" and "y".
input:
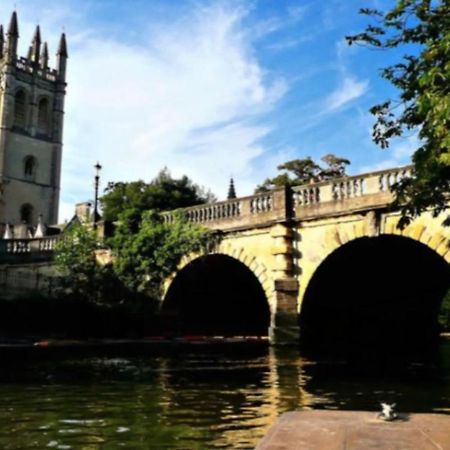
{"x": 302, "y": 171}
{"x": 145, "y": 258}
{"x": 142, "y": 258}
{"x": 81, "y": 276}
{"x": 144, "y": 247}
{"x": 163, "y": 193}
{"x": 422, "y": 77}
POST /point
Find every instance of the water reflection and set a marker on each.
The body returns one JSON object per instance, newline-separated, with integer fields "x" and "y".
{"x": 200, "y": 399}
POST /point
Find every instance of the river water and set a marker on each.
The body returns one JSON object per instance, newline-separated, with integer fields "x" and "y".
{"x": 198, "y": 397}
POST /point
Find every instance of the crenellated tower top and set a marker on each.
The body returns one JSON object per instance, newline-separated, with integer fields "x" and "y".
{"x": 37, "y": 60}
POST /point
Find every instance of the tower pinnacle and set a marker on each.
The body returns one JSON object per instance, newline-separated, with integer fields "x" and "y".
{"x": 13, "y": 29}
{"x": 13, "y": 37}
{"x": 44, "y": 57}
{"x": 62, "y": 48}
{"x": 2, "y": 41}
{"x": 61, "y": 57}
{"x": 36, "y": 45}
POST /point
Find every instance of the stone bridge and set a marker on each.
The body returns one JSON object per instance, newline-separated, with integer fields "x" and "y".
{"x": 325, "y": 258}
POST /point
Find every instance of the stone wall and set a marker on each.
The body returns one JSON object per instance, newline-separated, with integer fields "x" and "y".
{"x": 22, "y": 280}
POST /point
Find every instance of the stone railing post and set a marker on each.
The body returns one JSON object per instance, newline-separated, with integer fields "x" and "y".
{"x": 326, "y": 193}
{"x": 245, "y": 208}
{"x": 281, "y": 201}
{"x": 372, "y": 184}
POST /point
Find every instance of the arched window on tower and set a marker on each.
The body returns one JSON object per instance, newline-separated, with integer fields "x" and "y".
{"x": 20, "y": 109}
{"x": 43, "y": 125}
{"x": 26, "y": 213}
{"x": 29, "y": 167}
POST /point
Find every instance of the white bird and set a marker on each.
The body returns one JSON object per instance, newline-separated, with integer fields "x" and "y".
{"x": 387, "y": 411}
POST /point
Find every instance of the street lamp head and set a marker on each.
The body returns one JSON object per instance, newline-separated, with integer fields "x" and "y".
{"x": 98, "y": 167}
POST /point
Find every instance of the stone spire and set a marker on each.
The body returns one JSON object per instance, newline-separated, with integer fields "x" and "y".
{"x": 44, "y": 57}
{"x": 13, "y": 29}
{"x": 2, "y": 41}
{"x": 13, "y": 38}
{"x": 231, "y": 190}
{"x": 61, "y": 57}
{"x": 36, "y": 45}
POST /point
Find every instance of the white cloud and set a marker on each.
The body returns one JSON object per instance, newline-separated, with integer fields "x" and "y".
{"x": 349, "y": 90}
{"x": 192, "y": 98}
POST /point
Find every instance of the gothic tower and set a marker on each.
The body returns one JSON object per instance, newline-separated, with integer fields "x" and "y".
{"x": 31, "y": 127}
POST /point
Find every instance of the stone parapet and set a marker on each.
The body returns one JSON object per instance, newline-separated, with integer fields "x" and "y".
{"x": 328, "y": 198}
{"x": 346, "y": 195}
{"x": 253, "y": 211}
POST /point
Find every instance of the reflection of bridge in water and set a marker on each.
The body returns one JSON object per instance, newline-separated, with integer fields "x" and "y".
{"x": 329, "y": 251}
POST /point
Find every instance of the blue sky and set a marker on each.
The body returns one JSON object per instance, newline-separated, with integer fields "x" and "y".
{"x": 211, "y": 88}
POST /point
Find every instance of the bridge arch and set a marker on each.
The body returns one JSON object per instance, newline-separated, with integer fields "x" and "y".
{"x": 218, "y": 294}
{"x": 426, "y": 230}
{"x": 238, "y": 253}
{"x": 372, "y": 289}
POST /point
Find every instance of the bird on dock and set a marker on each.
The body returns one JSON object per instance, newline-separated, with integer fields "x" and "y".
{"x": 387, "y": 412}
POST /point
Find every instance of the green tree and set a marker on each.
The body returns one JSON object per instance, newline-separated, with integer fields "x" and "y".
{"x": 144, "y": 259}
{"x": 422, "y": 77}
{"x": 163, "y": 193}
{"x": 81, "y": 276}
{"x": 302, "y": 171}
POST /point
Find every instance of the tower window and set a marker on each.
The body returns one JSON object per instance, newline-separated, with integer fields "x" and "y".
{"x": 43, "y": 125}
{"x": 20, "y": 109}
{"x": 29, "y": 166}
{"x": 26, "y": 213}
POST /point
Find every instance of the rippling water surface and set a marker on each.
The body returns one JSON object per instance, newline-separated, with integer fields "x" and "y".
{"x": 203, "y": 398}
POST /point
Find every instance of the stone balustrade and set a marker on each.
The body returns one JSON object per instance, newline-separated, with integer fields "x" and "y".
{"x": 35, "y": 248}
{"x": 344, "y": 195}
{"x": 236, "y": 213}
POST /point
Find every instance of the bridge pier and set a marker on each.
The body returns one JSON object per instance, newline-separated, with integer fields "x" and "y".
{"x": 284, "y": 328}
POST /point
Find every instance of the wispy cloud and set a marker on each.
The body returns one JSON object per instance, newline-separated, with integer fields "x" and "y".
{"x": 193, "y": 98}
{"x": 287, "y": 44}
{"x": 350, "y": 89}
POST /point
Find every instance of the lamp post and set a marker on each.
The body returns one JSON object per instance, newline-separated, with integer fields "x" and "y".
{"x": 97, "y": 168}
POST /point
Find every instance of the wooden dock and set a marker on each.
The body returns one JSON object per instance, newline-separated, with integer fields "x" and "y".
{"x": 357, "y": 430}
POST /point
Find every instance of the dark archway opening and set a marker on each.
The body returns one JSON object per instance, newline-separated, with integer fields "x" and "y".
{"x": 216, "y": 295}
{"x": 383, "y": 291}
